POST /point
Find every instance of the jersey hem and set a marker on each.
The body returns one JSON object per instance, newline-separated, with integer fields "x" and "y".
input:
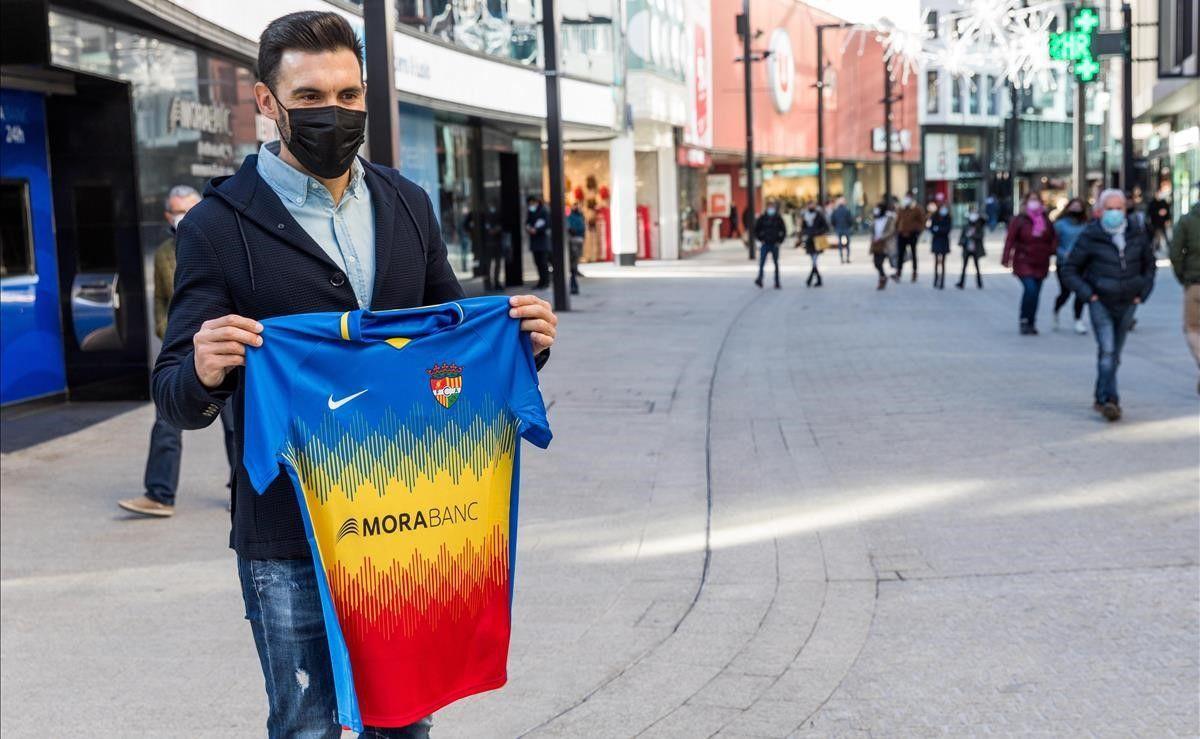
{"x": 404, "y": 719}
{"x": 277, "y": 549}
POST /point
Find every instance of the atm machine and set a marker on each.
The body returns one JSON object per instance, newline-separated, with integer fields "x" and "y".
{"x": 73, "y": 310}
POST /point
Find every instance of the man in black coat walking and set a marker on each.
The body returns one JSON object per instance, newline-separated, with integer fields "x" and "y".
{"x": 770, "y": 231}
{"x": 304, "y": 226}
{"x": 1112, "y": 267}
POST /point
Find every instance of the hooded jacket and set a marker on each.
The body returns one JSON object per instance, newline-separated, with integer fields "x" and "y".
{"x": 1096, "y": 267}
{"x": 240, "y": 251}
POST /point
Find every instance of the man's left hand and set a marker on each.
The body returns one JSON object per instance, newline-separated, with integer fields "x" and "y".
{"x": 537, "y": 317}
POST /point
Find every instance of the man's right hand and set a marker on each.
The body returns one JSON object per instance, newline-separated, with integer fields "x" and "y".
{"x": 220, "y": 345}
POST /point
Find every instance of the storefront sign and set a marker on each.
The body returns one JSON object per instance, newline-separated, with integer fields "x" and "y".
{"x": 781, "y": 70}
{"x": 264, "y": 128}
{"x": 720, "y": 195}
{"x": 901, "y": 140}
{"x": 686, "y": 156}
{"x": 941, "y": 156}
{"x": 196, "y": 116}
{"x": 699, "y": 83}
{"x": 791, "y": 169}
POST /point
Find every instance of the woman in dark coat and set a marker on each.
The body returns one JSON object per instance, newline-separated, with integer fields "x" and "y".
{"x": 971, "y": 241}
{"x": 939, "y": 225}
{"x": 1030, "y": 244}
{"x": 813, "y": 224}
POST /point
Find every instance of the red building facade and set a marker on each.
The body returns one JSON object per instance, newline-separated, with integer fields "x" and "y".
{"x": 785, "y": 108}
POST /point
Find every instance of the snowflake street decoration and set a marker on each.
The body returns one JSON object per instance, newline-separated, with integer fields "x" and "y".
{"x": 902, "y": 47}
{"x": 1005, "y": 37}
{"x": 1025, "y": 50}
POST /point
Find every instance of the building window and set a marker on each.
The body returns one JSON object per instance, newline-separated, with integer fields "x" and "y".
{"x": 993, "y": 95}
{"x": 956, "y": 95}
{"x": 1185, "y": 24}
{"x": 931, "y": 24}
{"x": 15, "y": 241}
{"x": 974, "y": 90}
{"x": 932, "y": 92}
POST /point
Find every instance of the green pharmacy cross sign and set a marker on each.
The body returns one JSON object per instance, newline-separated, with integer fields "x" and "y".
{"x": 1076, "y": 45}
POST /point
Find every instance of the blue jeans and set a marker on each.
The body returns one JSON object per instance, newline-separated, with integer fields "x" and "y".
{"x": 283, "y": 607}
{"x": 773, "y": 250}
{"x": 1029, "y": 299}
{"x": 166, "y": 448}
{"x": 843, "y": 244}
{"x": 1110, "y": 326}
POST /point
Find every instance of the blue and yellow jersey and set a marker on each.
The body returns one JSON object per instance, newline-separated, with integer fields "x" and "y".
{"x": 400, "y": 432}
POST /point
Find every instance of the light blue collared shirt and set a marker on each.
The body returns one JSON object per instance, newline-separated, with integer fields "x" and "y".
{"x": 345, "y": 231}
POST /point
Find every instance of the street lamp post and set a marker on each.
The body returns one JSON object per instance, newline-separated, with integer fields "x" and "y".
{"x": 1127, "y": 99}
{"x": 747, "y": 60}
{"x": 554, "y": 153}
{"x": 821, "y": 28}
{"x": 379, "y": 24}
{"x": 887, "y": 132}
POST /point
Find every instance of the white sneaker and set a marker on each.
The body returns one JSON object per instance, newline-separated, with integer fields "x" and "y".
{"x": 1080, "y": 327}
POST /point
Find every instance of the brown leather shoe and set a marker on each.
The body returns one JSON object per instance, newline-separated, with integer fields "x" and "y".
{"x": 144, "y": 506}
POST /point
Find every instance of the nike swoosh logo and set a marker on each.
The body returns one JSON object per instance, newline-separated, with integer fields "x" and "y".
{"x": 335, "y": 404}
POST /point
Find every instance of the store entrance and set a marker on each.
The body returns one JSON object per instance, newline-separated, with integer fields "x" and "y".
{"x": 101, "y": 286}
{"x": 513, "y": 212}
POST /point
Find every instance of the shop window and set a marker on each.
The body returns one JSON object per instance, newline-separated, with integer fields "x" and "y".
{"x": 95, "y": 227}
{"x": 16, "y": 241}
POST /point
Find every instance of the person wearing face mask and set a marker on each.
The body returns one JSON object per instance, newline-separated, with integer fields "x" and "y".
{"x": 1030, "y": 243}
{"x": 770, "y": 231}
{"x": 1111, "y": 266}
{"x": 537, "y": 225}
{"x": 842, "y": 221}
{"x": 939, "y": 226}
{"x": 910, "y": 222}
{"x": 304, "y": 226}
{"x": 161, "y": 479}
{"x": 494, "y": 251}
{"x": 1185, "y": 261}
{"x": 883, "y": 239}
{"x": 814, "y": 228}
{"x": 971, "y": 241}
{"x": 576, "y": 230}
{"x": 1069, "y": 224}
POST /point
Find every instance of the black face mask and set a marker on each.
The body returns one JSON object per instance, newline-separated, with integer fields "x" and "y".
{"x": 326, "y": 139}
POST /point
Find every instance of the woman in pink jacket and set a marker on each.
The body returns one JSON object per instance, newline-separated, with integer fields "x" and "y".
{"x": 1030, "y": 244}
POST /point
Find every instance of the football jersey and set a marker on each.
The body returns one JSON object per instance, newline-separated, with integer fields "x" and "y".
{"x": 400, "y": 431}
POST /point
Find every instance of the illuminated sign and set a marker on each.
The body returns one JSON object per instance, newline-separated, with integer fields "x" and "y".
{"x": 1076, "y": 45}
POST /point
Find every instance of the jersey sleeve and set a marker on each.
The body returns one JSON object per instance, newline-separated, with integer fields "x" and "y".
{"x": 525, "y": 397}
{"x": 266, "y": 409}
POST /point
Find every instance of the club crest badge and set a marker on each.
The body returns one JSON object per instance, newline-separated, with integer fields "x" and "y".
{"x": 445, "y": 381}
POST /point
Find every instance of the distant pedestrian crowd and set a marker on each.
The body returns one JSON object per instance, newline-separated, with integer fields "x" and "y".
{"x": 1104, "y": 258}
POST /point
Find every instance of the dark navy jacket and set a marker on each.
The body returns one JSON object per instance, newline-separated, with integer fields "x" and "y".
{"x": 1096, "y": 267}
{"x": 240, "y": 251}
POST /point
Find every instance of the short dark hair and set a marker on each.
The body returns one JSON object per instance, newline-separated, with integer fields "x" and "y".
{"x": 307, "y": 30}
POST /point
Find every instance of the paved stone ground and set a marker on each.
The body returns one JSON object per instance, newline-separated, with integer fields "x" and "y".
{"x": 806, "y": 512}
